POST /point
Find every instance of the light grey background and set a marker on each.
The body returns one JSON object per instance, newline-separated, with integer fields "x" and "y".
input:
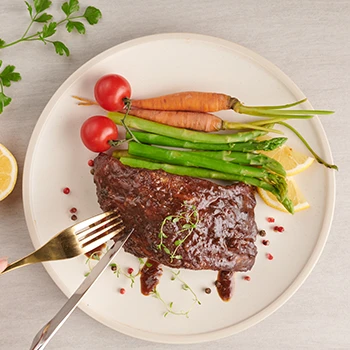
{"x": 308, "y": 40}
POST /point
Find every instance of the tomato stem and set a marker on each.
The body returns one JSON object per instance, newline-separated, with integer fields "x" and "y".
{"x": 127, "y": 103}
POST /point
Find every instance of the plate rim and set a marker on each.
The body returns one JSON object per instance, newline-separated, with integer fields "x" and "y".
{"x": 295, "y": 284}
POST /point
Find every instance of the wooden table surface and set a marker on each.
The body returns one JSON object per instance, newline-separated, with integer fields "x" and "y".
{"x": 308, "y": 40}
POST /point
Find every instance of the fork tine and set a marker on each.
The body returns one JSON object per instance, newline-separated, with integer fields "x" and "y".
{"x": 81, "y": 225}
{"x": 96, "y": 243}
{"x": 99, "y": 232}
{"x": 92, "y": 228}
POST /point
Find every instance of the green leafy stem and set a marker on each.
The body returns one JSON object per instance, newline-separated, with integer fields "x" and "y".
{"x": 170, "y": 306}
{"x": 187, "y": 220}
{"x": 38, "y": 15}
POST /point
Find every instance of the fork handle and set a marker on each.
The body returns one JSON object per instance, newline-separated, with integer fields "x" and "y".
{"x": 29, "y": 259}
{"x": 50, "y": 329}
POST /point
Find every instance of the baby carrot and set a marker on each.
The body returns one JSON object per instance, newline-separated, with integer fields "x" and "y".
{"x": 196, "y": 101}
{"x": 199, "y": 121}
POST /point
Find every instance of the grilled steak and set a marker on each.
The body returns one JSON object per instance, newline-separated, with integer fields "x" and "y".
{"x": 223, "y": 237}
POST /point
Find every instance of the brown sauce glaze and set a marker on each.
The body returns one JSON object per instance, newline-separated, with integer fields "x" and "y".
{"x": 224, "y": 284}
{"x": 224, "y": 238}
{"x": 150, "y": 276}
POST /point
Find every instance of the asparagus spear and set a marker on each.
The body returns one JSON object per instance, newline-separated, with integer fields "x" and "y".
{"x": 246, "y": 158}
{"x": 202, "y": 173}
{"x": 191, "y": 159}
{"x": 182, "y": 134}
{"x": 251, "y": 145}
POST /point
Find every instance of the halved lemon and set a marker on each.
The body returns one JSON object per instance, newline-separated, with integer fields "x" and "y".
{"x": 292, "y": 161}
{"x": 8, "y": 172}
{"x": 294, "y": 194}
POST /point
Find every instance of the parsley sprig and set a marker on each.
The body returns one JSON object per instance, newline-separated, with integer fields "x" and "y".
{"x": 7, "y": 76}
{"x": 39, "y": 16}
{"x": 187, "y": 221}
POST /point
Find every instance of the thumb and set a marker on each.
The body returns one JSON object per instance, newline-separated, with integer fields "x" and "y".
{"x": 3, "y": 264}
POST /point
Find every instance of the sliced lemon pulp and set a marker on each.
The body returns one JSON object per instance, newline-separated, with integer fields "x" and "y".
{"x": 8, "y": 172}
{"x": 292, "y": 161}
{"x": 294, "y": 194}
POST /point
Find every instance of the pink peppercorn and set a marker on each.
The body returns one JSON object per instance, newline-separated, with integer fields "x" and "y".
{"x": 122, "y": 291}
{"x": 247, "y": 278}
{"x": 90, "y": 162}
{"x": 73, "y": 210}
{"x": 265, "y": 242}
{"x": 270, "y": 219}
{"x": 269, "y": 256}
{"x": 66, "y": 190}
{"x": 278, "y": 228}
{"x": 130, "y": 270}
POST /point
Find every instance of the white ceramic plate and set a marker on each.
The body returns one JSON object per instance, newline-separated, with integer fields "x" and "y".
{"x": 56, "y": 158}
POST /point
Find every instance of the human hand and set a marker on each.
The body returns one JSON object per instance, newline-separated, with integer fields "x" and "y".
{"x": 3, "y": 264}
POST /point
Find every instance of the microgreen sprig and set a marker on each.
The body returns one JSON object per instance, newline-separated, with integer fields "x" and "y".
{"x": 187, "y": 220}
{"x": 94, "y": 256}
{"x": 118, "y": 271}
{"x": 169, "y": 306}
{"x": 39, "y": 16}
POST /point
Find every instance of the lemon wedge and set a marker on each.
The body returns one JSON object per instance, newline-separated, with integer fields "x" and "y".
{"x": 294, "y": 194}
{"x": 8, "y": 172}
{"x": 292, "y": 161}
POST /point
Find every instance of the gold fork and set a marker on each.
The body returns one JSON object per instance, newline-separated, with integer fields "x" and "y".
{"x": 78, "y": 239}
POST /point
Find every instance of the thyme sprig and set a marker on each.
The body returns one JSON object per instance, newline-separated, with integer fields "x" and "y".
{"x": 187, "y": 220}
{"x": 94, "y": 256}
{"x": 117, "y": 270}
{"x": 169, "y": 306}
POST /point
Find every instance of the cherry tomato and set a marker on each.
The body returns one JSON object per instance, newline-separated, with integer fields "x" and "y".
{"x": 110, "y": 91}
{"x": 97, "y": 131}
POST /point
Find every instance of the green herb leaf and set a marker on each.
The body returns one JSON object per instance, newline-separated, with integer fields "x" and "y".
{"x": 41, "y": 5}
{"x": 77, "y": 25}
{"x": 175, "y": 220}
{"x": 95, "y": 256}
{"x": 166, "y": 250}
{"x": 178, "y": 242}
{"x": 113, "y": 265}
{"x": 61, "y": 49}
{"x": 178, "y": 257}
{"x": 70, "y": 7}
{"x": 171, "y": 305}
{"x": 8, "y": 75}
{"x": 86, "y": 274}
{"x": 49, "y": 30}
{"x": 187, "y": 226}
{"x": 44, "y": 18}
{"x": 148, "y": 264}
{"x": 2, "y": 43}
{"x": 92, "y": 15}
{"x": 4, "y": 101}
{"x": 30, "y": 9}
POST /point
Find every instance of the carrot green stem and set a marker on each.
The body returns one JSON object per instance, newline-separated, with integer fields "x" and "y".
{"x": 282, "y": 106}
{"x": 278, "y": 111}
{"x": 226, "y": 125}
{"x": 317, "y": 157}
